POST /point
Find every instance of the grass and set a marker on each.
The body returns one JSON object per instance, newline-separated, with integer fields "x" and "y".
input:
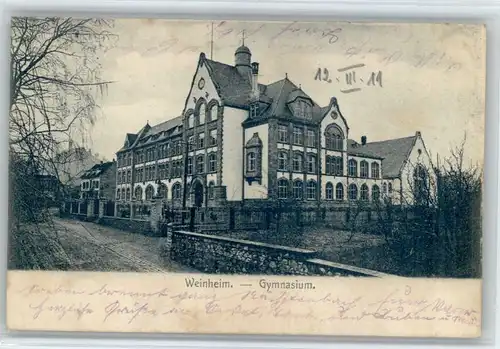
{"x": 361, "y": 250}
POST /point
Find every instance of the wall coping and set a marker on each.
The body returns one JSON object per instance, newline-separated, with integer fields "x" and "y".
{"x": 369, "y": 272}
{"x": 250, "y": 243}
{"x": 125, "y": 219}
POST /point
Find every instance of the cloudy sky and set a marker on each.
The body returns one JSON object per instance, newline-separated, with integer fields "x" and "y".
{"x": 432, "y": 76}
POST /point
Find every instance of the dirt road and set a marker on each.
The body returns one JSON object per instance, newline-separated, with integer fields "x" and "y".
{"x": 93, "y": 247}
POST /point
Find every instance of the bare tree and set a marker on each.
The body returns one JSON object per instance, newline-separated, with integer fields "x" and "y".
{"x": 55, "y": 83}
{"x": 436, "y": 229}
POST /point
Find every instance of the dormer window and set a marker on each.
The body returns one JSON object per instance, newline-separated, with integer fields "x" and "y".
{"x": 304, "y": 109}
{"x": 254, "y": 110}
{"x": 253, "y": 159}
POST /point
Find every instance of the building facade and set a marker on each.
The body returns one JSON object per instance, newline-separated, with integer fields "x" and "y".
{"x": 99, "y": 182}
{"x": 239, "y": 140}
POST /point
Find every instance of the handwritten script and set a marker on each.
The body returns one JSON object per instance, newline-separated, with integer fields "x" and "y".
{"x": 108, "y": 304}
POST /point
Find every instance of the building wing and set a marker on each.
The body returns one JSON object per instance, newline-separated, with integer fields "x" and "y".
{"x": 393, "y": 152}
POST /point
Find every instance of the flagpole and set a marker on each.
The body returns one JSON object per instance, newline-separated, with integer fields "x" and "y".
{"x": 212, "y": 42}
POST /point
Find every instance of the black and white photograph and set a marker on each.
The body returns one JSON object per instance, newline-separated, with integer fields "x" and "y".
{"x": 241, "y": 155}
{"x": 333, "y": 149}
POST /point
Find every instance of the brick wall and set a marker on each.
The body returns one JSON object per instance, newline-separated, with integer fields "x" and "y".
{"x": 221, "y": 255}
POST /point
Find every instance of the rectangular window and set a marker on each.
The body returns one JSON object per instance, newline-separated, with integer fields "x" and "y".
{"x": 200, "y": 164}
{"x": 282, "y": 133}
{"x": 167, "y": 174}
{"x": 213, "y": 137}
{"x": 190, "y": 166}
{"x": 253, "y": 110}
{"x": 191, "y": 143}
{"x": 251, "y": 162}
{"x": 311, "y": 163}
{"x": 212, "y": 163}
{"x": 297, "y": 162}
{"x": 337, "y": 166}
{"x": 311, "y": 138}
{"x": 298, "y": 136}
{"x": 364, "y": 169}
{"x": 282, "y": 161}
{"x": 129, "y": 176}
{"x": 201, "y": 140}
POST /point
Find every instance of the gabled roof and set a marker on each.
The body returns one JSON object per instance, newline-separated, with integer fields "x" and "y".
{"x": 232, "y": 86}
{"x": 152, "y": 133}
{"x": 97, "y": 170}
{"x": 393, "y": 152}
{"x": 236, "y": 90}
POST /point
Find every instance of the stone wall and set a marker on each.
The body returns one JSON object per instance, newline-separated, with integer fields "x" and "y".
{"x": 221, "y": 255}
{"x": 131, "y": 225}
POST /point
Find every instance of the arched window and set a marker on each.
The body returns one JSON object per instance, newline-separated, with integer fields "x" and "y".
{"x": 297, "y": 162}
{"x": 189, "y": 166}
{"x": 390, "y": 188}
{"x": 211, "y": 185}
{"x": 176, "y": 191}
{"x": 298, "y": 189}
{"x": 202, "y": 114}
{"x": 334, "y": 138}
{"x": 190, "y": 118}
{"x": 118, "y": 191}
{"x": 339, "y": 191}
{"x": 214, "y": 111}
{"x": 282, "y": 161}
{"x": 311, "y": 190}
{"x": 163, "y": 191}
{"x": 149, "y": 192}
{"x": 200, "y": 164}
{"x": 353, "y": 192}
{"x": 364, "y": 192}
{"x": 353, "y": 168}
{"x": 282, "y": 188}
{"x": 128, "y": 193}
{"x": 363, "y": 169}
{"x": 375, "y": 170}
{"x": 212, "y": 162}
{"x": 375, "y": 193}
{"x": 251, "y": 161}
{"x": 138, "y": 193}
{"x": 329, "y": 191}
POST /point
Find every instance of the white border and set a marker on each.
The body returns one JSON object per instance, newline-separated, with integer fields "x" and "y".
{"x": 487, "y": 12}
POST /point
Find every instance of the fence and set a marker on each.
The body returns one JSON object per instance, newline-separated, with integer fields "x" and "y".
{"x": 260, "y": 216}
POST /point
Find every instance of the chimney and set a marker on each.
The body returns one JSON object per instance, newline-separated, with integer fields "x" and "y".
{"x": 363, "y": 140}
{"x": 255, "y": 81}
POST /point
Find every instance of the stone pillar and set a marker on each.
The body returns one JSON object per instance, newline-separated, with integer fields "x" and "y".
{"x": 155, "y": 217}
{"x": 131, "y": 210}
{"x": 102, "y": 203}
{"x": 90, "y": 208}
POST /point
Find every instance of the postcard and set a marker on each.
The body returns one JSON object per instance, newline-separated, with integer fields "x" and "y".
{"x": 231, "y": 177}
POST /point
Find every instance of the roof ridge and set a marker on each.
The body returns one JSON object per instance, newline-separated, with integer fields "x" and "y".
{"x": 279, "y": 96}
{"x": 218, "y": 62}
{"x": 386, "y": 140}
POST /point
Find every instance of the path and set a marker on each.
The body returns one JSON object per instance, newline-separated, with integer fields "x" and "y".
{"x": 95, "y": 247}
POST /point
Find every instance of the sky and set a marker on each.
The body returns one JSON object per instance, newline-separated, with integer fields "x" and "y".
{"x": 432, "y": 76}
